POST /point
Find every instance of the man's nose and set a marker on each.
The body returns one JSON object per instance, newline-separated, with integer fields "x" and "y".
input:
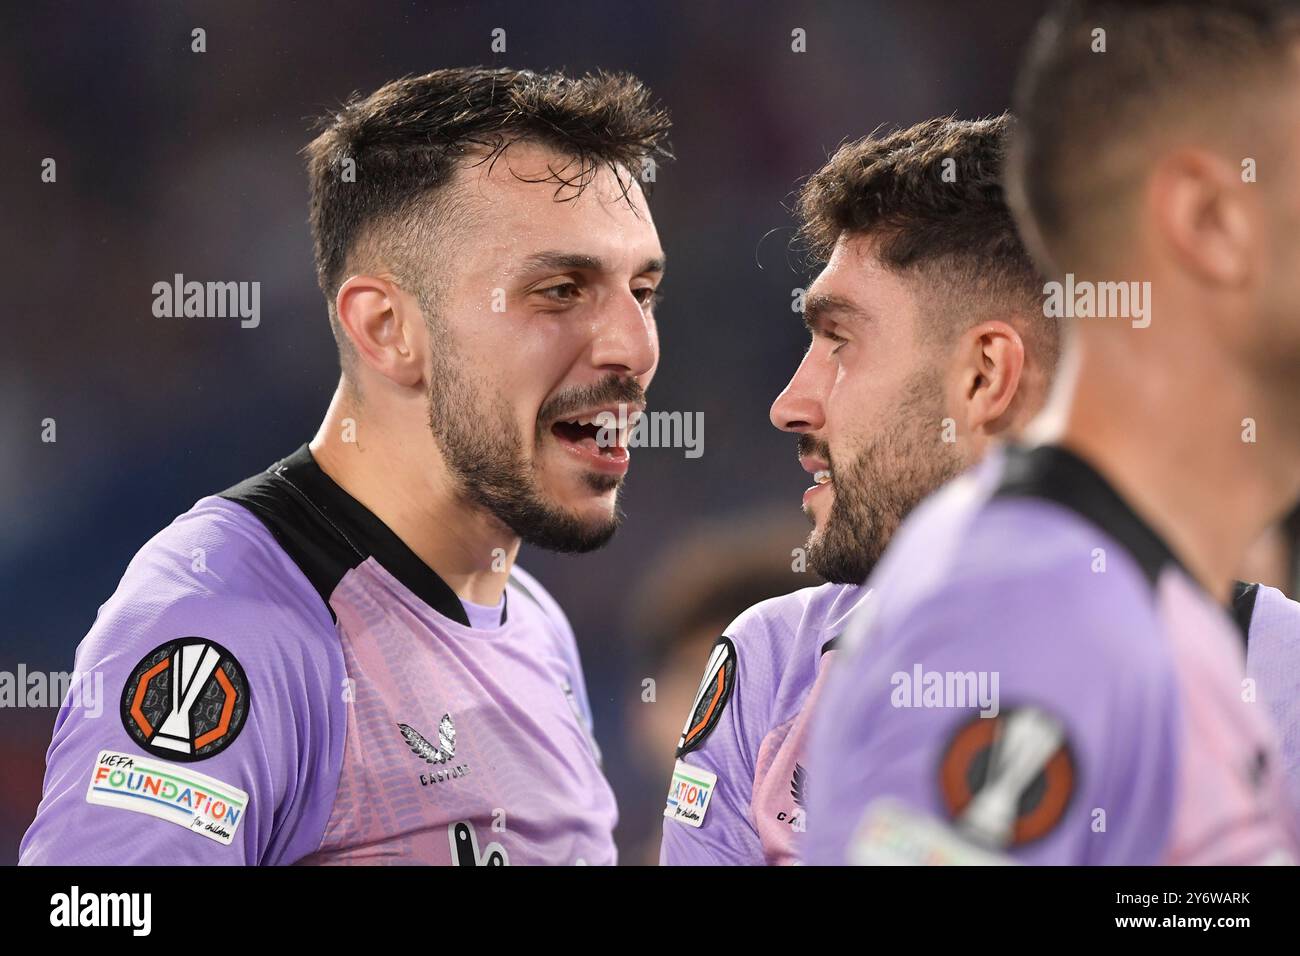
{"x": 625, "y": 340}
{"x": 799, "y": 407}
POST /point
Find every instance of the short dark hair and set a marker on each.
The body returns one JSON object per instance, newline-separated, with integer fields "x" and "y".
{"x": 932, "y": 196}
{"x": 1164, "y": 60}
{"x": 406, "y": 138}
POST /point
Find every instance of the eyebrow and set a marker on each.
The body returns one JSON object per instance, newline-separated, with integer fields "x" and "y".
{"x": 822, "y": 306}
{"x": 577, "y": 260}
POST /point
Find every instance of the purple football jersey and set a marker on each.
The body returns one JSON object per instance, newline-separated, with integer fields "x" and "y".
{"x": 753, "y": 753}
{"x": 296, "y": 686}
{"x": 1116, "y": 728}
{"x": 1271, "y": 622}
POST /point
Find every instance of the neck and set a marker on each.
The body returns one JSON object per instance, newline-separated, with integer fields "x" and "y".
{"x": 396, "y": 472}
{"x": 1173, "y": 445}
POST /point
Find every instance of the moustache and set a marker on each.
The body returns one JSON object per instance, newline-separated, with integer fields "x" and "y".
{"x": 613, "y": 390}
{"x": 810, "y": 447}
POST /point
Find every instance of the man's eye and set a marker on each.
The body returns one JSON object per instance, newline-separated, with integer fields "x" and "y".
{"x": 647, "y": 296}
{"x": 563, "y": 292}
{"x": 839, "y": 340}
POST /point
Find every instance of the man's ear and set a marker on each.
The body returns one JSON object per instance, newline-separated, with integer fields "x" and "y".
{"x": 990, "y": 362}
{"x": 1205, "y": 216}
{"x": 386, "y": 328}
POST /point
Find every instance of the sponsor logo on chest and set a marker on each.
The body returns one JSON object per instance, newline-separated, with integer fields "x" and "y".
{"x": 441, "y": 754}
{"x": 796, "y": 818}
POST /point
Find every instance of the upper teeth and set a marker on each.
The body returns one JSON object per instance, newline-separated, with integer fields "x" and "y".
{"x": 822, "y": 476}
{"x": 600, "y": 419}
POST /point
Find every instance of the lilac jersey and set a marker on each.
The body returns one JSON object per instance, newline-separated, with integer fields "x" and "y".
{"x": 1039, "y": 677}
{"x": 296, "y": 686}
{"x": 1271, "y": 623}
{"x": 753, "y": 752}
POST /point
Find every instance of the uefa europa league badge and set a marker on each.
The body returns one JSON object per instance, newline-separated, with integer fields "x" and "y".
{"x": 186, "y": 700}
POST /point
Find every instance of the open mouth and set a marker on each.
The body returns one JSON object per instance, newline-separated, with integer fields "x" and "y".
{"x": 595, "y": 440}
{"x": 823, "y": 478}
{"x": 588, "y": 435}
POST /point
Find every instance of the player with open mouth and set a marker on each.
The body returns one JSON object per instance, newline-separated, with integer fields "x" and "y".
{"x": 360, "y": 671}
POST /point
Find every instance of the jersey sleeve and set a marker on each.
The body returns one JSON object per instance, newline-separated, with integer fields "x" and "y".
{"x": 717, "y": 750}
{"x": 207, "y": 716}
{"x": 1043, "y": 730}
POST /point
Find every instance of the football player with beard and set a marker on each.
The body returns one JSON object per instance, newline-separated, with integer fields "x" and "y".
{"x": 928, "y": 342}
{"x": 336, "y": 661}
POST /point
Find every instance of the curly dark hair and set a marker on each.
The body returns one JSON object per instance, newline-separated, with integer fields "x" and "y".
{"x": 407, "y": 137}
{"x": 931, "y": 196}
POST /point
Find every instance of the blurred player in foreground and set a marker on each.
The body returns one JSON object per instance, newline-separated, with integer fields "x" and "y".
{"x": 336, "y": 661}
{"x": 1087, "y": 578}
{"x": 927, "y": 342}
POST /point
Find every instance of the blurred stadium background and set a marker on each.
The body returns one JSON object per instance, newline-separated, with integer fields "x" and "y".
{"x": 171, "y": 161}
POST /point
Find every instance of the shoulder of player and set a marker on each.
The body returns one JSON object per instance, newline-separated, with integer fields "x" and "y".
{"x": 218, "y": 574}
{"x": 219, "y": 547}
{"x": 778, "y": 643}
{"x": 759, "y": 674}
{"x": 765, "y": 631}
{"x": 1264, "y": 613}
{"x": 776, "y": 628}
{"x": 1030, "y": 579}
{"x": 1267, "y": 602}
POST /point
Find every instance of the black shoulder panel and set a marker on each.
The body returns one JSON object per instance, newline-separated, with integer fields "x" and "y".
{"x": 1243, "y": 606}
{"x": 1055, "y": 474}
{"x": 327, "y": 532}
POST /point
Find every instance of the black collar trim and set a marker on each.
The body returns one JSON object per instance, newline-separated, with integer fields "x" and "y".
{"x": 1244, "y": 596}
{"x": 328, "y": 532}
{"x": 1055, "y": 474}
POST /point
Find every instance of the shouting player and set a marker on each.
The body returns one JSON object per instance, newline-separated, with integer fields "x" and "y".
{"x": 336, "y": 661}
{"x": 927, "y": 342}
{"x": 1087, "y": 577}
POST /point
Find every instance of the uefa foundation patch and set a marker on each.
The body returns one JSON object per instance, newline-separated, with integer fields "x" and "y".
{"x": 892, "y": 834}
{"x": 146, "y": 785}
{"x": 689, "y": 794}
